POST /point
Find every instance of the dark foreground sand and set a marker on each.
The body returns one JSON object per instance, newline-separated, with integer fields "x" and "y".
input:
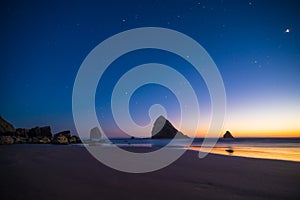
{"x": 70, "y": 172}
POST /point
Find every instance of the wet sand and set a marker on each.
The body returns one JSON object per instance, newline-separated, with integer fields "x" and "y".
{"x": 70, "y": 172}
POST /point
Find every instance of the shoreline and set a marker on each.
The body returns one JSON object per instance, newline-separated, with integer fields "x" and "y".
{"x": 136, "y": 148}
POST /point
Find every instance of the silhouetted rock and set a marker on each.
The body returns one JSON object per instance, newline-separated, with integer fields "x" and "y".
{"x": 22, "y": 132}
{"x": 95, "y": 134}
{"x": 46, "y": 132}
{"x": 67, "y": 134}
{"x": 37, "y": 135}
{"x": 60, "y": 140}
{"x": 6, "y": 129}
{"x": 40, "y": 132}
{"x": 61, "y": 137}
{"x": 228, "y": 135}
{"x": 6, "y": 140}
{"x": 74, "y": 139}
{"x": 163, "y": 129}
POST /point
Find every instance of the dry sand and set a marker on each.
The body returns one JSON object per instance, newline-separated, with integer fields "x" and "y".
{"x": 70, "y": 172}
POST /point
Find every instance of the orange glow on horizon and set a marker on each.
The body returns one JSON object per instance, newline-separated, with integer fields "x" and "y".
{"x": 265, "y": 118}
{"x": 256, "y": 134}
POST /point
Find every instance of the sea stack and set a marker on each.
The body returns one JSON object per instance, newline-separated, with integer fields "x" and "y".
{"x": 95, "y": 134}
{"x": 163, "y": 129}
{"x": 228, "y": 135}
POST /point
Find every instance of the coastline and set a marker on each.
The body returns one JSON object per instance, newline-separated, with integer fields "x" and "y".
{"x": 70, "y": 172}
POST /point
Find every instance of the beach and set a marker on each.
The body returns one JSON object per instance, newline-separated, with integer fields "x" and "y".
{"x": 70, "y": 172}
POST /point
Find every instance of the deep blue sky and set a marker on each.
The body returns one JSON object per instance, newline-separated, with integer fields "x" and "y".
{"x": 44, "y": 43}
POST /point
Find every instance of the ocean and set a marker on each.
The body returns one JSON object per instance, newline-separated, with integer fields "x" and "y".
{"x": 265, "y": 148}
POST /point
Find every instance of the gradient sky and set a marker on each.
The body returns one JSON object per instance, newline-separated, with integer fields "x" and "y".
{"x": 255, "y": 45}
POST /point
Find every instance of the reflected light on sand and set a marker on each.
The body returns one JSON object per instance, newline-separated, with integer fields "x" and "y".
{"x": 289, "y": 154}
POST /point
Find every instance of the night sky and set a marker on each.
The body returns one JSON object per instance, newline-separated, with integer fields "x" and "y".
{"x": 255, "y": 45}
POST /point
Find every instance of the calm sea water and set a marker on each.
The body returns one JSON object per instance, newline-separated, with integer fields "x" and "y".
{"x": 266, "y": 148}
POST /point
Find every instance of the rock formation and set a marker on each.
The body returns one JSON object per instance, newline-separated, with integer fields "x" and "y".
{"x": 163, "y": 129}
{"x": 6, "y": 128}
{"x": 228, "y": 135}
{"x": 60, "y": 140}
{"x": 7, "y": 132}
{"x": 95, "y": 134}
{"x": 6, "y": 140}
{"x": 61, "y": 137}
{"x": 65, "y": 137}
{"x": 37, "y": 135}
{"x": 40, "y": 132}
{"x": 74, "y": 139}
{"x": 67, "y": 134}
{"x": 22, "y": 132}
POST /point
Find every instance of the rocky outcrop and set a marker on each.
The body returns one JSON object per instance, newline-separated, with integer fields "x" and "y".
{"x": 22, "y": 132}
{"x": 36, "y": 135}
{"x": 60, "y": 140}
{"x": 65, "y": 137}
{"x": 6, "y": 140}
{"x": 6, "y": 128}
{"x": 67, "y": 134}
{"x": 228, "y": 135}
{"x": 61, "y": 137}
{"x": 40, "y": 132}
{"x": 7, "y": 131}
{"x": 74, "y": 139}
{"x": 163, "y": 129}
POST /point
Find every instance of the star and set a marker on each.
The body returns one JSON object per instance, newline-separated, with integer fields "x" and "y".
{"x": 123, "y": 20}
{"x": 287, "y": 30}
